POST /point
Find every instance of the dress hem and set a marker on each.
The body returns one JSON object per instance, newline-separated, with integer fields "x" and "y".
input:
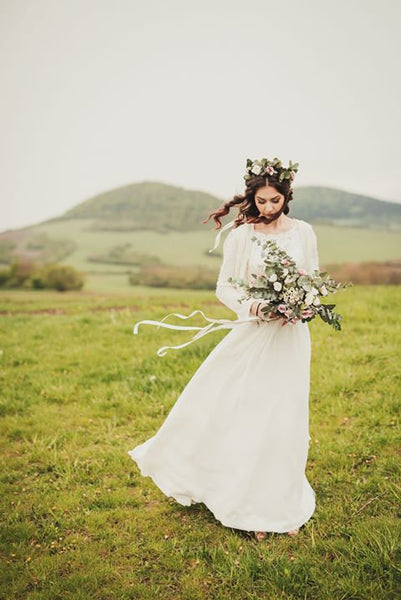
{"x": 186, "y": 500}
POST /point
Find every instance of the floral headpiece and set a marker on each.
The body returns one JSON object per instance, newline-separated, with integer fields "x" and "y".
{"x": 263, "y": 167}
{"x": 266, "y": 167}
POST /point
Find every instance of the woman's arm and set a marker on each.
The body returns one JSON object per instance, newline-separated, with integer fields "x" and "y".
{"x": 226, "y": 292}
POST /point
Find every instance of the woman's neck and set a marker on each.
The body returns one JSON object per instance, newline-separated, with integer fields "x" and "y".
{"x": 283, "y": 223}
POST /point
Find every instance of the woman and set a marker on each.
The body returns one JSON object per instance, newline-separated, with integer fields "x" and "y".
{"x": 237, "y": 437}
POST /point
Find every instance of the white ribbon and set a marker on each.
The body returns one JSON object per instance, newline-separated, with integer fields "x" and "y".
{"x": 214, "y": 324}
{"x": 218, "y": 236}
{"x": 221, "y": 324}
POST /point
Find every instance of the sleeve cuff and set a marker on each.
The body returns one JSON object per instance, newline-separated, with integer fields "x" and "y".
{"x": 244, "y": 308}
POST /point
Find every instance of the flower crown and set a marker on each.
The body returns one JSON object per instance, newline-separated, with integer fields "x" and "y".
{"x": 266, "y": 167}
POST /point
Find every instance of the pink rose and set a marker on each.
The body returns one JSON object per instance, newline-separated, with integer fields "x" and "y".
{"x": 302, "y": 272}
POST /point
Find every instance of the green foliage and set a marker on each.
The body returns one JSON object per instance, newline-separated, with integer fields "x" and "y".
{"x": 59, "y": 277}
{"x": 27, "y": 274}
{"x": 78, "y": 391}
{"x": 18, "y": 274}
{"x": 263, "y": 167}
{"x": 367, "y": 273}
{"x": 4, "y": 275}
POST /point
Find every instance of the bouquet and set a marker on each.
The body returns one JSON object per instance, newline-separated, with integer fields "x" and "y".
{"x": 290, "y": 293}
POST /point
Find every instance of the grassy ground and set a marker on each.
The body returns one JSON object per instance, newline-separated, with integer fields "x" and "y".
{"x": 79, "y": 391}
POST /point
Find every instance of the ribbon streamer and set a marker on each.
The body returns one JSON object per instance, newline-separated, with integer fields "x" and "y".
{"x": 214, "y": 325}
{"x": 218, "y": 236}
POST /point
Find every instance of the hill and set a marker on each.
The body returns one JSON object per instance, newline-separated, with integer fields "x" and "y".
{"x": 160, "y": 207}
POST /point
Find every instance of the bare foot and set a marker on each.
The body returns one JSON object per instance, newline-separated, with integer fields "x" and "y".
{"x": 293, "y": 532}
{"x": 260, "y": 535}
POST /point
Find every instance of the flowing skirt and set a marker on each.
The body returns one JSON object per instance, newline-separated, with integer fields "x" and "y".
{"x": 237, "y": 437}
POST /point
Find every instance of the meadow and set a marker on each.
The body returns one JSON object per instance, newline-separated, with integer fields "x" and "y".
{"x": 337, "y": 244}
{"x": 78, "y": 390}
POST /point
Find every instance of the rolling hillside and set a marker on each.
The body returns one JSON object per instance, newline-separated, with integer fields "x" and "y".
{"x": 161, "y": 207}
{"x": 113, "y": 233}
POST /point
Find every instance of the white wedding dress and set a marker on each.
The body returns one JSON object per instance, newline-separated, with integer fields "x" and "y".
{"x": 237, "y": 438}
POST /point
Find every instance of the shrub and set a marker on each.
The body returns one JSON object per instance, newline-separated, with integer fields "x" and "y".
{"x": 19, "y": 273}
{"x": 29, "y": 275}
{"x": 4, "y": 275}
{"x": 367, "y": 273}
{"x": 59, "y": 277}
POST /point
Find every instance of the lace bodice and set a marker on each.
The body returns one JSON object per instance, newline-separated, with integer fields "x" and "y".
{"x": 290, "y": 241}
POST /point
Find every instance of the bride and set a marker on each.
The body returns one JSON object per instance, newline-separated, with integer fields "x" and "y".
{"x": 237, "y": 437}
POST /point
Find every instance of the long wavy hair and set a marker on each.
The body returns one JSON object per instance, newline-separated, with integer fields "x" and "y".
{"x": 247, "y": 209}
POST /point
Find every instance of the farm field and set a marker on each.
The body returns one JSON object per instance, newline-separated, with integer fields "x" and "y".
{"x": 78, "y": 390}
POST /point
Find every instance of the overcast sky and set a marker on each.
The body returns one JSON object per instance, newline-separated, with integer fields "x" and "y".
{"x": 98, "y": 94}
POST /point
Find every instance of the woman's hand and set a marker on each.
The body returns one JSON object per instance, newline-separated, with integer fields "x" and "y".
{"x": 257, "y": 305}
{"x": 253, "y": 308}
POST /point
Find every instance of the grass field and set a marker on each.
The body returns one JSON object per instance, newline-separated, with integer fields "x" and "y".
{"x": 79, "y": 390}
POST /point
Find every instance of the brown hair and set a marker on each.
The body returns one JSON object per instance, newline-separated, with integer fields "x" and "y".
{"x": 248, "y": 211}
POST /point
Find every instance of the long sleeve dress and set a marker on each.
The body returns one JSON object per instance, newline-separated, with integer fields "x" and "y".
{"x": 237, "y": 437}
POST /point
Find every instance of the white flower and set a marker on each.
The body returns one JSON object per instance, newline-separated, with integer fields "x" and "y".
{"x": 277, "y": 286}
{"x": 256, "y": 169}
{"x": 314, "y": 291}
{"x": 309, "y": 298}
{"x": 323, "y": 290}
{"x": 285, "y": 272}
{"x": 273, "y": 277}
{"x": 316, "y": 301}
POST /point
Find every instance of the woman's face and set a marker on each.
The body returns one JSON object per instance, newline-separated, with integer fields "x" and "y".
{"x": 268, "y": 200}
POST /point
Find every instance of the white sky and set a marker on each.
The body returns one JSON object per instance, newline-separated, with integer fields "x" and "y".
{"x": 102, "y": 93}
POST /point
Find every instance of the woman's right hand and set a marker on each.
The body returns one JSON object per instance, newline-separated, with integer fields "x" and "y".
{"x": 260, "y": 314}
{"x": 254, "y": 306}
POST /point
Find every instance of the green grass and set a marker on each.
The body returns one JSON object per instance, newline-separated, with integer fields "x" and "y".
{"x": 79, "y": 521}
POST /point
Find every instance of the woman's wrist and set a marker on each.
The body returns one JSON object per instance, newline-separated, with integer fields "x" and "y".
{"x": 257, "y": 311}
{"x": 254, "y": 307}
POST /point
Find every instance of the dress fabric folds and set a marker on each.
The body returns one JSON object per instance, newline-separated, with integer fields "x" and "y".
{"x": 237, "y": 438}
